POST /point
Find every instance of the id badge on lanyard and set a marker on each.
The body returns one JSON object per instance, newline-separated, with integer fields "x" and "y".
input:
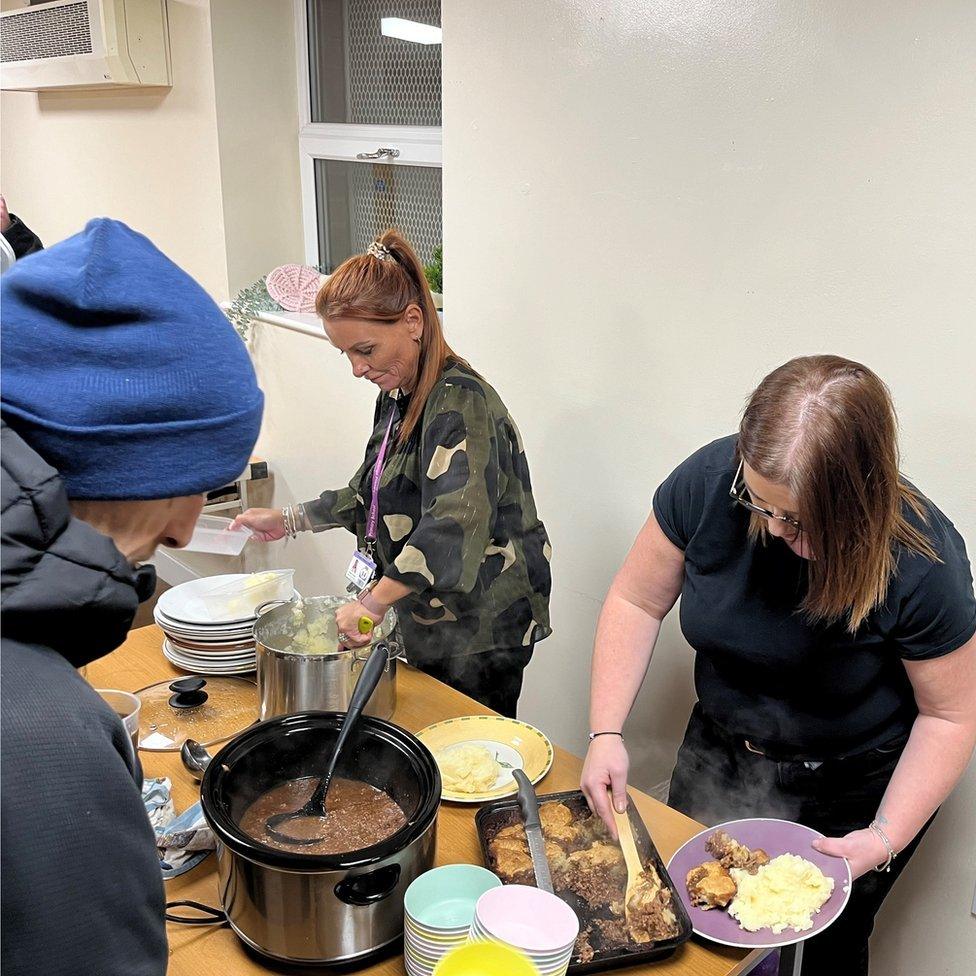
{"x": 362, "y": 566}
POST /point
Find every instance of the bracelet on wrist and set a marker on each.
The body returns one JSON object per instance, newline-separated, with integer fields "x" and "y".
{"x": 593, "y": 735}
{"x": 286, "y": 522}
{"x": 875, "y": 829}
{"x": 370, "y": 603}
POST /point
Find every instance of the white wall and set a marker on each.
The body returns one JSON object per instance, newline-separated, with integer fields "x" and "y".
{"x": 257, "y": 111}
{"x": 208, "y": 169}
{"x": 648, "y": 205}
{"x": 148, "y": 157}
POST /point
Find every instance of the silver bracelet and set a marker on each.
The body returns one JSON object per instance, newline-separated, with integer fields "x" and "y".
{"x": 288, "y": 517}
{"x": 875, "y": 829}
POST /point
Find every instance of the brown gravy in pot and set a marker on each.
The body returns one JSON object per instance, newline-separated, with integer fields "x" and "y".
{"x": 359, "y": 816}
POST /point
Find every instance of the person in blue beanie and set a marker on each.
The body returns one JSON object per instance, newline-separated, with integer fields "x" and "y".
{"x": 125, "y": 395}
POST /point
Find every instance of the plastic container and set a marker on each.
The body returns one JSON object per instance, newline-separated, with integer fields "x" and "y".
{"x": 213, "y": 534}
{"x": 240, "y": 598}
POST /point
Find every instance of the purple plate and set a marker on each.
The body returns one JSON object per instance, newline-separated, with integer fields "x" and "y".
{"x": 775, "y": 837}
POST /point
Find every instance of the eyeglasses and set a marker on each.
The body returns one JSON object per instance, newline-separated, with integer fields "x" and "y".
{"x": 737, "y": 494}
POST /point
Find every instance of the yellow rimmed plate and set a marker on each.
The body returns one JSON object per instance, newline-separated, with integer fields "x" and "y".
{"x": 514, "y": 744}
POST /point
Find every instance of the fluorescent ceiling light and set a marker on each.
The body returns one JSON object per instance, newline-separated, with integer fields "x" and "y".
{"x": 410, "y": 30}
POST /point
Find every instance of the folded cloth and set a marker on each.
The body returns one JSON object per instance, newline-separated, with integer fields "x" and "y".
{"x": 183, "y": 841}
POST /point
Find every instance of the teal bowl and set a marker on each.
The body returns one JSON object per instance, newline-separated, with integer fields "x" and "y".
{"x": 444, "y": 897}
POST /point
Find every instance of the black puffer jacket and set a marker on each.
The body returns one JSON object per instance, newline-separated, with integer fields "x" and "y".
{"x": 81, "y": 889}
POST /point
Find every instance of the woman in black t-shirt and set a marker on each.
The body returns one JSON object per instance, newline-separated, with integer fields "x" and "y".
{"x": 832, "y": 613}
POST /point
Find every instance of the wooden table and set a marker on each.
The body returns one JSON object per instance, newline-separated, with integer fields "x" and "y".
{"x": 421, "y": 701}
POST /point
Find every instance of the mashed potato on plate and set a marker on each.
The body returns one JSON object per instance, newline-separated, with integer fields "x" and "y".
{"x": 786, "y": 893}
{"x": 468, "y": 768}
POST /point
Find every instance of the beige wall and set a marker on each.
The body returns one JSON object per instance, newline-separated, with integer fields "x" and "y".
{"x": 650, "y": 204}
{"x": 647, "y": 206}
{"x": 149, "y": 158}
{"x": 207, "y": 169}
{"x": 257, "y": 113}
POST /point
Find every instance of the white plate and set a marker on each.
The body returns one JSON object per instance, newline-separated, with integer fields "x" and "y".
{"x": 208, "y": 654}
{"x": 214, "y": 630}
{"x": 204, "y": 667}
{"x": 220, "y": 633}
{"x": 218, "y": 660}
{"x": 183, "y": 603}
{"x": 514, "y": 745}
{"x": 208, "y": 637}
{"x": 222, "y": 661}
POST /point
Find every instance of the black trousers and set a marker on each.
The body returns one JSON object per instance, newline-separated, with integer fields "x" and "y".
{"x": 493, "y": 678}
{"x": 717, "y": 779}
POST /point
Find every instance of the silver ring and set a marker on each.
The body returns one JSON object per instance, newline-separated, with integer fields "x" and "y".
{"x": 343, "y": 637}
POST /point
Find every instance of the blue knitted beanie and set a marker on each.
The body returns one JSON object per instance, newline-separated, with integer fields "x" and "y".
{"x": 121, "y": 372}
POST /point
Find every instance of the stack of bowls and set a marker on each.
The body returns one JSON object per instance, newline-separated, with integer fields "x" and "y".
{"x": 535, "y": 922}
{"x": 485, "y": 959}
{"x": 438, "y": 909}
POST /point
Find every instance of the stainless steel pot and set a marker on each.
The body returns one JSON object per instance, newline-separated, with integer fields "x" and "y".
{"x": 291, "y": 680}
{"x": 309, "y": 908}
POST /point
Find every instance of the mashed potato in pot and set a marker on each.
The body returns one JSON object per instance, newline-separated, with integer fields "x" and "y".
{"x": 468, "y": 768}
{"x": 786, "y": 893}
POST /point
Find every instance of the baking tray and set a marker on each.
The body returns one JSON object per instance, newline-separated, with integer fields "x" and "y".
{"x": 502, "y": 813}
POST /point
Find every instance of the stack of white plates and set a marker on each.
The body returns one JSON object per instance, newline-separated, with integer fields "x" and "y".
{"x": 438, "y": 909}
{"x": 538, "y": 924}
{"x": 199, "y": 640}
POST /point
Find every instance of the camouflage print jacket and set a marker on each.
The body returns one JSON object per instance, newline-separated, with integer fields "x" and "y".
{"x": 457, "y": 523}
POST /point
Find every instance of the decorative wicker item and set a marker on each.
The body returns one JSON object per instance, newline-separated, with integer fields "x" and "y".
{"x": 294, "y": 287}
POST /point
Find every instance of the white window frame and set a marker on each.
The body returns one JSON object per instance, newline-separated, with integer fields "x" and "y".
{"x": 418, "y": 145}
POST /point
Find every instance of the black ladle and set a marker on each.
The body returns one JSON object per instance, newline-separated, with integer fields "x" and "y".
{"x": 314, "y": 808}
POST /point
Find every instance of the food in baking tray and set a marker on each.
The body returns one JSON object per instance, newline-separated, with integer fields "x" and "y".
{"x": 588, "y": 870}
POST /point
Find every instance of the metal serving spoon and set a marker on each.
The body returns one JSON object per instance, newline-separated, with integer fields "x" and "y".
{"x": 314, "y": 808}
{"x": 195, "y": 758}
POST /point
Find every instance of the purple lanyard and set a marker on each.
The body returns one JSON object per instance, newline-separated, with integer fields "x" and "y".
{"x": 374, "y": 504}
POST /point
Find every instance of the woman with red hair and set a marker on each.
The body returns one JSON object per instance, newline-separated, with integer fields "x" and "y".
{"x": 442, "y": 505}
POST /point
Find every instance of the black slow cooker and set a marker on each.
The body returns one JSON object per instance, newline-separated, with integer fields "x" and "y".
{"x": 320, "y": 908}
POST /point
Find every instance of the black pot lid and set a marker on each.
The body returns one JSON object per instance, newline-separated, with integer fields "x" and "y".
{"x": 208, "y": 709}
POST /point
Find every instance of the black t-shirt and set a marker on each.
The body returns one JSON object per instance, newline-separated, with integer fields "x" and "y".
{"x": 762, "y": 670}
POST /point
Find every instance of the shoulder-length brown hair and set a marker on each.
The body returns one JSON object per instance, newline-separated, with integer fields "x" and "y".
{"x": 381, "y": 290}
{"x": 825, "y": 427}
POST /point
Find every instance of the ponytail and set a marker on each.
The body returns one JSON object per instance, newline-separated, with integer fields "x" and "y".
{"x": 379, "y": 286}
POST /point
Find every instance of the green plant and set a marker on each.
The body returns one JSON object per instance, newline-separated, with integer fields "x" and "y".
{"x": 248, "y": 303}
{"x": 434, "y": 272}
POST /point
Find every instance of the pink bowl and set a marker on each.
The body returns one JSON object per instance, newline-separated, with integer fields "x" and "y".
{"x": 527, "y": 918}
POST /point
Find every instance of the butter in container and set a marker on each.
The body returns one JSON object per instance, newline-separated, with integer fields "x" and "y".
{"x": 240, "y": 599}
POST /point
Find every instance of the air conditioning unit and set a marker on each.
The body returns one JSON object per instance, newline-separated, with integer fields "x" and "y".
{"x": 72, "y": 44}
